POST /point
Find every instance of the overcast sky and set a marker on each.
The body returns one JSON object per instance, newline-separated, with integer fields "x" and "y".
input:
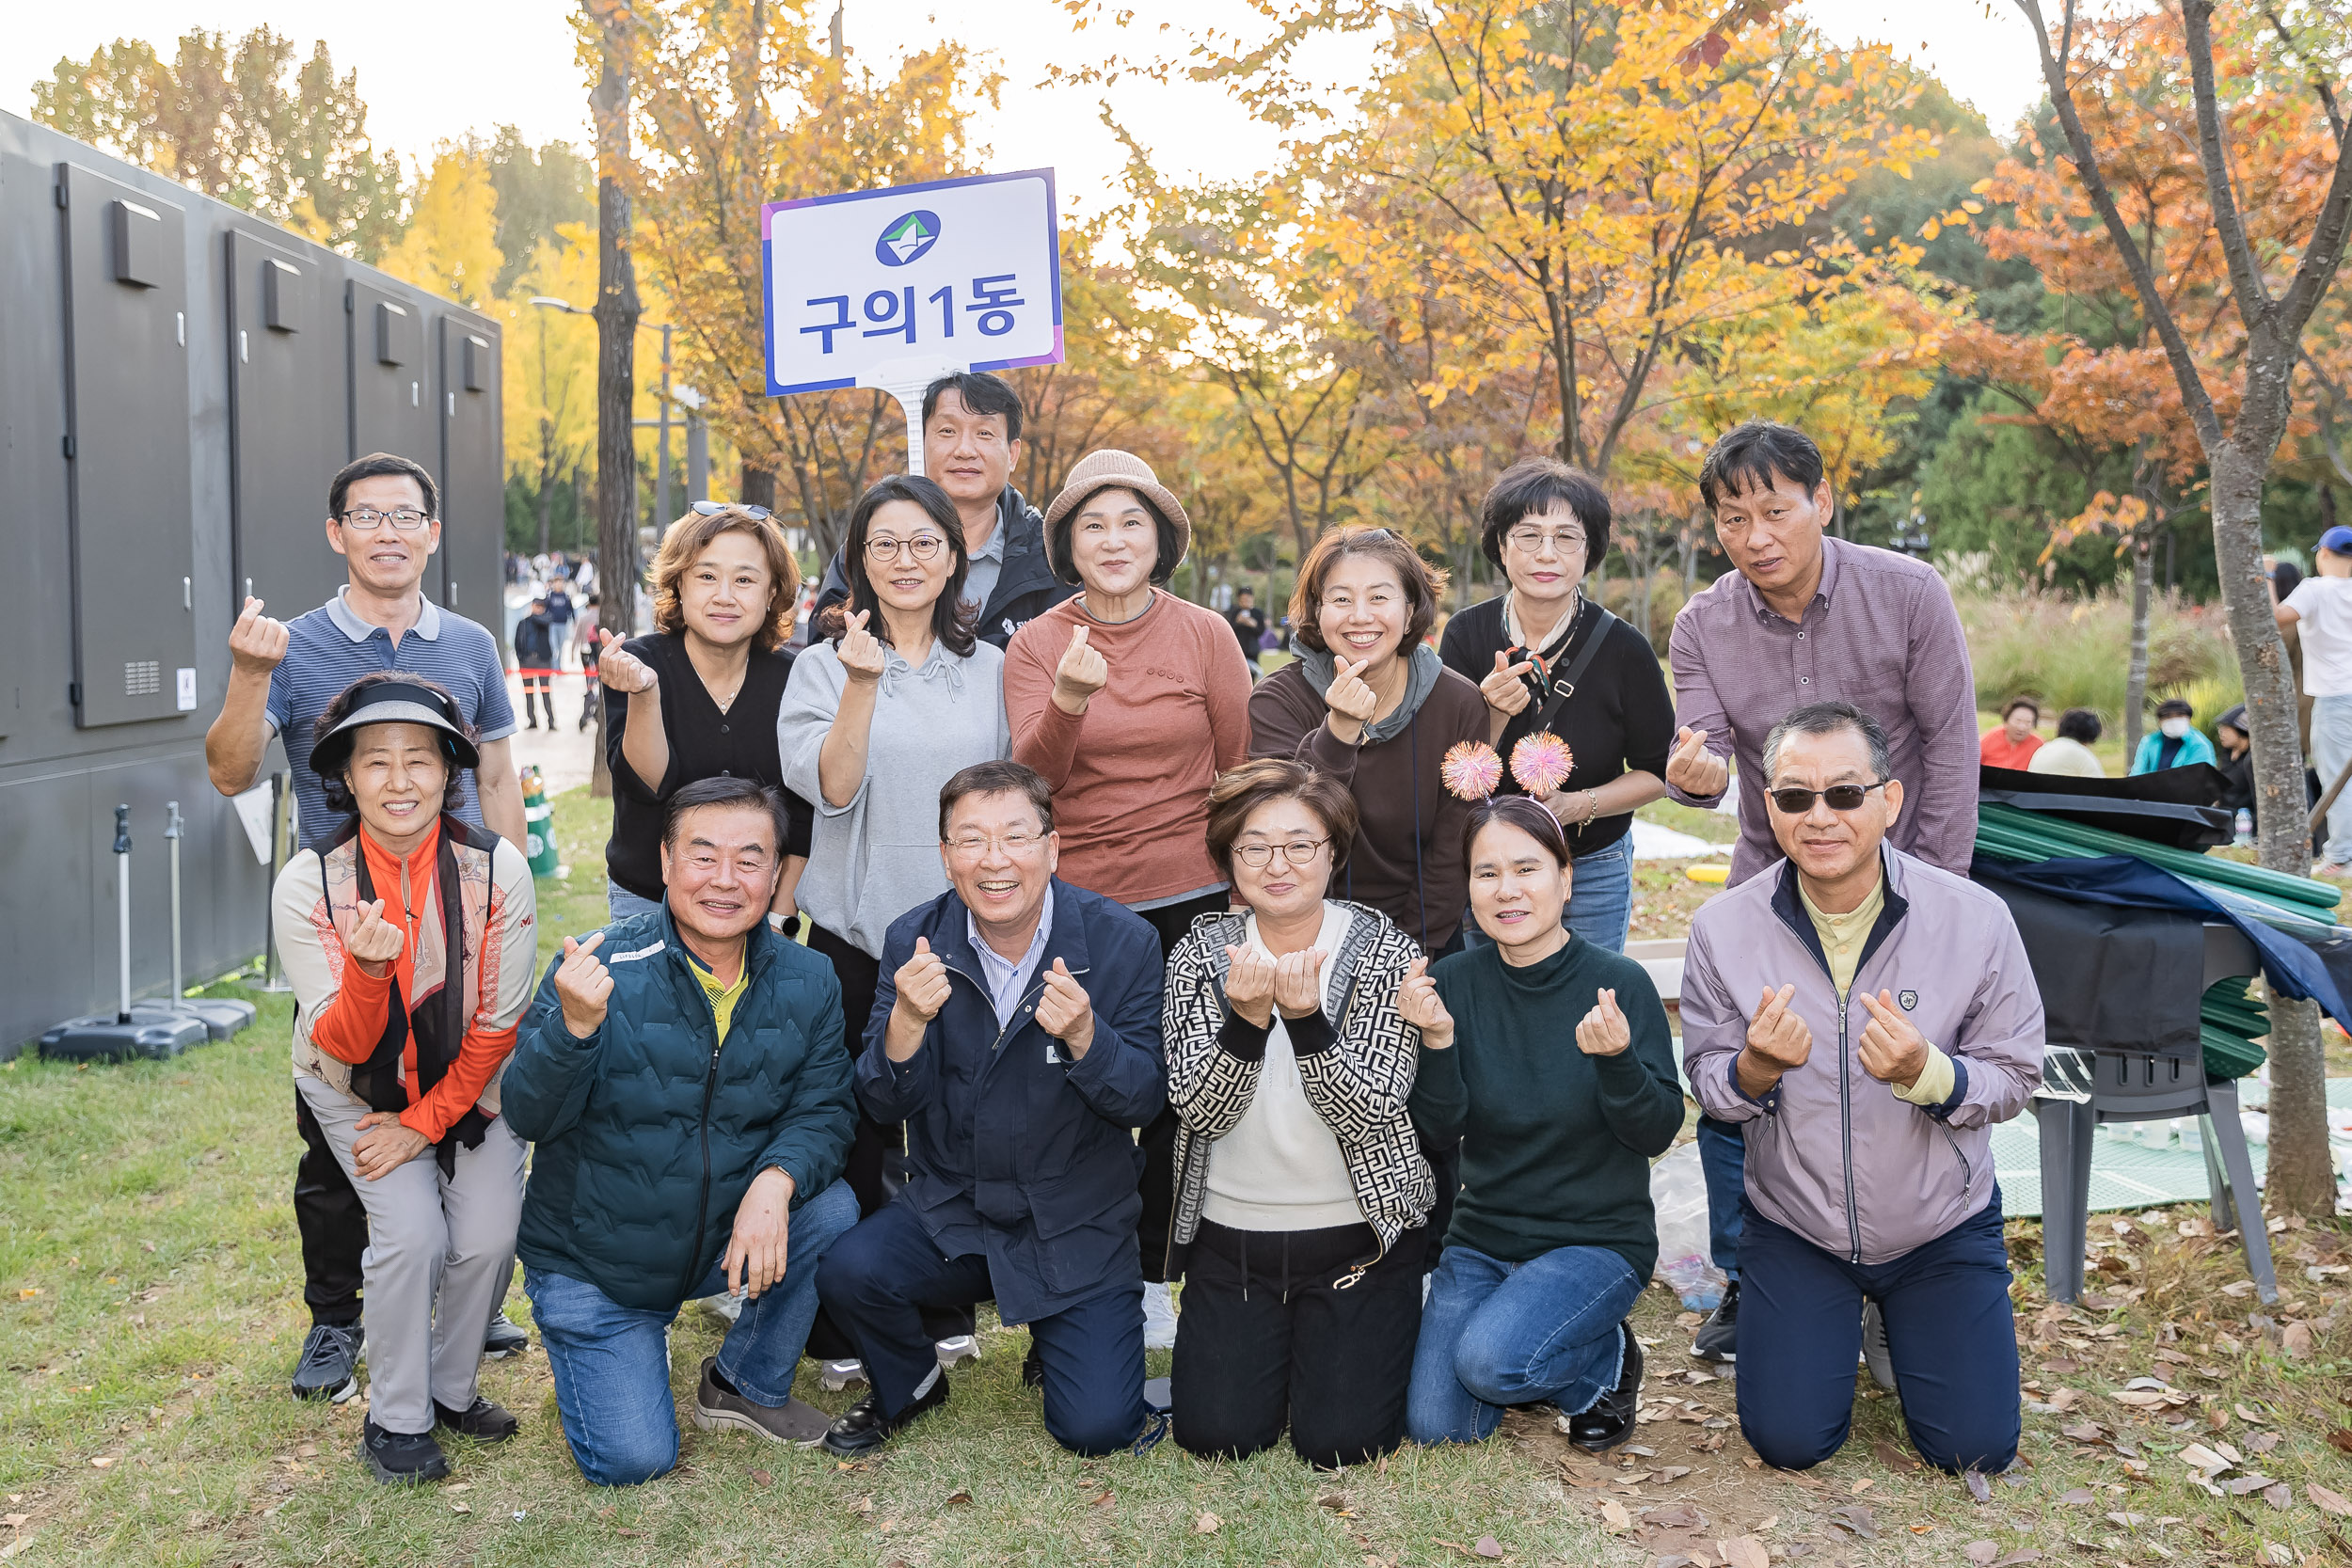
{"x": 434, "y": 69}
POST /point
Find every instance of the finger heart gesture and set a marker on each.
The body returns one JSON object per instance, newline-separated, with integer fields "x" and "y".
{"x": 1892, "y": 1051}
{"x": 1349, "y": 694}
{"x": 1066, "y": 1012}
{"x": 1504, "y": 692}
{"x": 863, "y": 656}
{"x": 1418, "y": 1001}
{"x": 369, "y": 938}
{"x": 1604, "y": 1032}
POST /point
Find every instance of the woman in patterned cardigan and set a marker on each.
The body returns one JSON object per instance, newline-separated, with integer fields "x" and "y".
{"x": 1300, "y": 1187}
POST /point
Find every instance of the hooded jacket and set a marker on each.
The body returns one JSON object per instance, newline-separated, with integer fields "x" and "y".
{"x": 1832, "y": 1154}
{"x": 650, "y": 1130}
{"x": 1017, "y": 1152}
{"x": 1026, "y": 587}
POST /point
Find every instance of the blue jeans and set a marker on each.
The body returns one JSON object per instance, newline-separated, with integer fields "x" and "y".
{"x": 1600, "y": 898}
{"x": 1949, "y": 1332}
{"x": 611, "y": 1363}
{"x": 1724, "y": 1161}
{"x": 620, "y": 903}
{"x": 1497, "y": 1334}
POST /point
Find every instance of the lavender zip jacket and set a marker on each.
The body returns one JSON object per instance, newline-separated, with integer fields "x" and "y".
{"x": 1831, "y": 1153}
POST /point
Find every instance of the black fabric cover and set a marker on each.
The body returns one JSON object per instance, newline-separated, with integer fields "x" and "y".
{"x": 2176, "y": 806}
{"x": 2112, "y": 978}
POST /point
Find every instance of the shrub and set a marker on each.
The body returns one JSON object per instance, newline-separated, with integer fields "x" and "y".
{"x": 2073, "y": 651}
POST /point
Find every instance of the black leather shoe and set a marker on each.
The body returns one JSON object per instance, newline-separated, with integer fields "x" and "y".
{"x": 400, "y": 1458}
{"x": 1719, "y": 1335}
{"x": 481, "y": 1420}
{"x": 864, "y": 1428}
{"x": 1033, "y": 1368}
{"x": 1610, "y": 1421}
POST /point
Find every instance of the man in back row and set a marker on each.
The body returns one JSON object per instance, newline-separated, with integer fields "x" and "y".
{"x": 384, "y": 519}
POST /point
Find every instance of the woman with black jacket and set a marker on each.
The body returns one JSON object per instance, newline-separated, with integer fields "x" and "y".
{"x": 1297, "y": 1171}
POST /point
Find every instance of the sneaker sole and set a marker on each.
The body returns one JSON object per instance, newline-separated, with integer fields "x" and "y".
{"x": 340, "y": 1393}
{"x": 722, "y": 1420}
{"x": 832, "y": 1384}
{"x": 393, "y": 1478}
{"x": 504, "y": 1353}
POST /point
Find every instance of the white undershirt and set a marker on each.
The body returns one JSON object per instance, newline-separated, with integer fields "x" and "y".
{"x": 1280, "y": 1167}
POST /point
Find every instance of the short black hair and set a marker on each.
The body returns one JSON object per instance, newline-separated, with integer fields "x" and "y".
{"x": 1751, "y": 455}
{"x": 1245, "y": 588}
{"x": 1829, "y": 718}
{"x": 980, "y": 392}
{"x": 1533, "y": 486}
{"x": 1167, "y": 550}
{"x": 2030, "y": 704}
{"x": 2175, "y": 708}
{"x": 1002, "y": 777}
{"x": 727, "y": 790}
{"x": 378, "y": 464}
{"x": 1523, "y": 812}
{"x": 2079, "y": 725}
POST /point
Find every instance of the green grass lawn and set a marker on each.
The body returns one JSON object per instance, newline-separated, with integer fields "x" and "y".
{"x": 150, "y": 1313}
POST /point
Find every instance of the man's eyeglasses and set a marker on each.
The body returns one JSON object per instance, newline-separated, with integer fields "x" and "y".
{"x": 923, "y": 546}
{"x": 971, "y": 846}
{"x": 1796, "y": 803}
{"x": 1298, "y": 851}
{"x": 712, "y": 508}
{"x": 406, "y": 518}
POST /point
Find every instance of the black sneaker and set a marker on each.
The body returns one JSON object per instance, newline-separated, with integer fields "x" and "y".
{"x": 400, "y": 1458}
{"x": 481, "y": 1420}
{"x": 1610, "y": 1421}
{"x": 502, "y": 1338}
{"x": 1033, "y": 1368}
{"x": 329, "y": 1367}
{"x": 1719, "y": 1335}
{"x": 864, "y": 1428}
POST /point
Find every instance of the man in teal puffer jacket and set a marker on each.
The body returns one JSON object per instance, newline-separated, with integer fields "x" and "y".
{"x": 684, "y": 1078}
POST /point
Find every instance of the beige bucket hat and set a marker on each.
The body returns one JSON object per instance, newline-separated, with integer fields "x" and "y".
{"x": 1103, "y": 470}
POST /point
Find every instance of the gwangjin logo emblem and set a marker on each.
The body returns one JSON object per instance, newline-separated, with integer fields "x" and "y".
{"x": 907, "y": 238}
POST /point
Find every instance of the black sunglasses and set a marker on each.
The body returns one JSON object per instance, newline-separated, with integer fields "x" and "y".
{"x": 711, "y": 509}
{"x": 1796, "y": 803}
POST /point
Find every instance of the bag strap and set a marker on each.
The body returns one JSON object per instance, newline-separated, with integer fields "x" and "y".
{"x": 1564, "y": 686}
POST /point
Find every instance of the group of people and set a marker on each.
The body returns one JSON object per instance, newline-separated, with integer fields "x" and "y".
{"x": 1119, "y": 969}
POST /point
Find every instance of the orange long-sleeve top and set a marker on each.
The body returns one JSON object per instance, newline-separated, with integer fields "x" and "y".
{"x": 352, "y": 1026}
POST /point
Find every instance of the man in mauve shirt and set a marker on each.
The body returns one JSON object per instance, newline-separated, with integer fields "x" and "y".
{"x": 1808, "y": 619}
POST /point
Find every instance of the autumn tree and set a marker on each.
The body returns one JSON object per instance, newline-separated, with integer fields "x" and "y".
{"x": 2273, "y": 201}
{"x": 249, "y": 123}
{"x": 451, "y": 245}
{"x": 551, "y": 380}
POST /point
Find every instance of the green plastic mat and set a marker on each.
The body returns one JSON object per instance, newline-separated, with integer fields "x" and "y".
{"x": 2147, "y": 1163}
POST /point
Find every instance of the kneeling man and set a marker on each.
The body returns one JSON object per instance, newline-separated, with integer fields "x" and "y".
{"x": 1016, "y": 1032}
{"x": 683, "y": 1075}
{"x": 1866, "y": 1019}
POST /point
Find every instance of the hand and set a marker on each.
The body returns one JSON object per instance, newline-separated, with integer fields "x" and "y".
{"x": 582, "y": 984}
{"x": 763, "y": 1224}
{"x": 1066, "y": 1011}
{"x": 256, "y": 643}
{"x": 1351, "y": 701}
{"x": 369, "y": 937}
{"x": 385, "y": 1143}
{"x": 1081, "y": 674}
{"x": 1694, "y": 770}
{"x": 922, "y": 982}
{"x": 1778, "y": 1041}
{"x": 1298, "y": 983}
{"x": 1503, "y": 690}
{"x": 862, "y": 656}
{"x": 621, "y": 669}
{"x": 1892, "y": 1051}
{"x": 1604, "y": 1030}
{"x": 1250, "y": 984}
{"x": 1418, "y": 1000}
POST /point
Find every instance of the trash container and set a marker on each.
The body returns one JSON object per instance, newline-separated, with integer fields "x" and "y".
{"x": 538, "y": 825}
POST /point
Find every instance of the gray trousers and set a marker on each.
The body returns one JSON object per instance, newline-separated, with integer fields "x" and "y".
{"x": 440, "y": 1250}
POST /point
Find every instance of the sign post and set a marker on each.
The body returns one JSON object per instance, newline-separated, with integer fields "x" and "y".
{"x": 893, "y": 289}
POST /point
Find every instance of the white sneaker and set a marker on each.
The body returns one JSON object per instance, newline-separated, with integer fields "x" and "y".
{"x": 837, "y": 1375}
{"x": 725, "y": 1305}
{"x": 955, "y": 1348}
{"x": 1159, "y": 1318}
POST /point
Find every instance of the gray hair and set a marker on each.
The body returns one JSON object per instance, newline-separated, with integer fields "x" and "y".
{"x": 1829, "y": 718}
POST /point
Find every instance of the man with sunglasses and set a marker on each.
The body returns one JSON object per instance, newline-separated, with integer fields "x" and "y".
{"x": 1866, "y": 1018}
{"x": 383, "y": 518}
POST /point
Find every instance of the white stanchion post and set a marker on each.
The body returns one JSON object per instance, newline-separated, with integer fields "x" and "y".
{"x": 171, "y": 831}
{"x": 122, "y": 908}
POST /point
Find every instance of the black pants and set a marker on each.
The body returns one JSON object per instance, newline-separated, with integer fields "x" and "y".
{"x": 878, "y": 1149}
{"x": 333, "y": 1225}
{"x": 547, "y": 698}
{"x": 1158, "y": 1139}
{"x": 1268, "y": 1338}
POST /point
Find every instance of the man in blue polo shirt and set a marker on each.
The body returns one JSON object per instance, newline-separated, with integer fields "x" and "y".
{"x": 384, "y": 519}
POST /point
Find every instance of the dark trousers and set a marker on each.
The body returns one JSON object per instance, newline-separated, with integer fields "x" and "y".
{"x": 333, "y": 1225}
{"x": 1724, "y": 1163}
{"x": 547, "y": 698}
{"x": 880, "y": 1277}
{"x": 1268, "y": 1338}
{"x": 1948, "y": 1331}
{"x": 877, "y": 1148}
{"x": 1158, "y": 1138}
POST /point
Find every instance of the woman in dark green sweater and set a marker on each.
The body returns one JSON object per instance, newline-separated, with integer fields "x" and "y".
{"x": 1553, "y": 1235}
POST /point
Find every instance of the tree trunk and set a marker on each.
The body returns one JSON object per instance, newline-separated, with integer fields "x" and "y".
{"x": 2136, "y": 681}
{"x": 615, "y": 312}
{"x": 2301, "y": 1177}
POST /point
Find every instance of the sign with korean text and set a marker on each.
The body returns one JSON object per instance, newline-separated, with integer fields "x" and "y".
{"x": 866, "y": 288}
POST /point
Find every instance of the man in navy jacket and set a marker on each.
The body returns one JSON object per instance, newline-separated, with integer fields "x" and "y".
{"x": 1016, "y": 1032}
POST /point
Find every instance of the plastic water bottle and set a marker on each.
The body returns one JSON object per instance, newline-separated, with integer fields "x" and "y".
{"x": 2245, "y": 827}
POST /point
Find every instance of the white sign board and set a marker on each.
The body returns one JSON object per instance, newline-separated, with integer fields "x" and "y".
{"x": 890, "y": 288}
